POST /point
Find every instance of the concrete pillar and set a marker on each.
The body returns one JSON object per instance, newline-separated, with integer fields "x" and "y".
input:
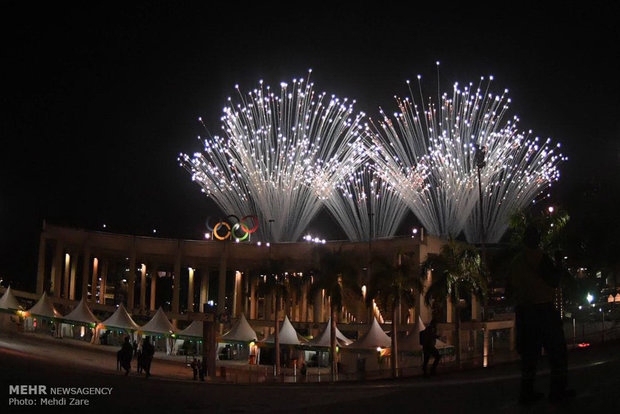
{"x": 74, "y": 261}
{"x": 66, "y": 271}
{"x": 475, "y": 308}
{"x": 143, "y": 287}
{"x": 103, "y": 286}
{"x": 246, "y": 293}
{"x": 131, "y": 279}
{"x": 204, "y": 288}
{"x": 253, "y": 298}
{"x": 485, "y": 349}
{"x": 41, "y": 266}
{"x": 190, "y": 290}
{"x": 237, "y": 295}
{"x": 57, "y": 269}
{"x": 221, "y": 281}
{"x": 85, "y": 272}
{"x": 449, "y": 310}
{"x": 176, "y": 281}
{"x": 318, "y": 306}
{"x": 95, "y": 280}
{"x": 304, "y": 303}
{"x": 154, "y": 277}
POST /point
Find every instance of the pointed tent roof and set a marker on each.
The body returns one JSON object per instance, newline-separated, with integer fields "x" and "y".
{"x": 81, "y": 313}
{"x": 194, "y": 330}
{"x": 158, "y": 324}
{"x": 375, "y": 337}
{"x": 411, "y": 342}
{"x": 241, "y": 331}
{"x": 323, "y": 340}
{"x": 8, "y": 300}
{"x": 288, "y": 335}
{"x": 44, "y": 308}
{"x": 121, "y": 319}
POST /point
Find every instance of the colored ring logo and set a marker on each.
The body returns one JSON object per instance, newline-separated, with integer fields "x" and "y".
{"x": 232, "y": 227}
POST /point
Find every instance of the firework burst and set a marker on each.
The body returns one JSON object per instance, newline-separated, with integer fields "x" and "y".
{"x": 281, "y": 154}
{"x": 427, "y": 152}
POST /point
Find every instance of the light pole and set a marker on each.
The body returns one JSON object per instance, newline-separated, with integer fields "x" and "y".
{"x": 480, "y": 154}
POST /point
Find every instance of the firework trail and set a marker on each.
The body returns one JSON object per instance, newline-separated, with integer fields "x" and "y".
{"x": 281, "y": 155}
{"x": 427, "y": 152}
{"x": 366, "y": 206}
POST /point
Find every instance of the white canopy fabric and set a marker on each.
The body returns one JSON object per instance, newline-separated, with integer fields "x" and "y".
{"x": 120, "y": 319}
{"x": 44, "y": 308}
{"x": 81, "y": 314}
{"x": 9, "y": 301}
{"x": 288, "y": 335}
{"x": 375, "y": 337}
{"x": 411, "y": 342}
{"x": 158, "y": 324}
{"x": 323, "y": 340}
{"x": 241, "y": 331}
{"x": 193, "y": 330}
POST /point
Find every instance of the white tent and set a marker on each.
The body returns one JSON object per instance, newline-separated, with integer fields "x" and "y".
{"x": 81, "y": 314}
{"x": 241, "y": 331}
{"x": 323, "y": 340}
{"x": 121, "y": 320}
{"x": 159, "y": 324}
{"x": 374, "y": 338}
{"x": 8, "y": 301}
{"x": 194, "y": 330}
{"x": 288, "y": 335}
{"x": 411, "y": 342}
{"x": 44, "y": 308}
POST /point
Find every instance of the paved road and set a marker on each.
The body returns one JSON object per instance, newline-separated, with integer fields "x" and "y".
{"x": 593, "y": 372}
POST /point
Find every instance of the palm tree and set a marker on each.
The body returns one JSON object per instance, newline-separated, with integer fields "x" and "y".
{"x": 274, "y": 283}
{"x": 393, "y": 284}
{"x": 456, "y": 274}
{"x": 337, "y": 272}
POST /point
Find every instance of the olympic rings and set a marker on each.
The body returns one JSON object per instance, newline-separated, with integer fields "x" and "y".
{"x": 234, "y": 228}
{"x": 241, "y": 238}
{"x": 253, "y": 229}
{"x": 217, "y": 226}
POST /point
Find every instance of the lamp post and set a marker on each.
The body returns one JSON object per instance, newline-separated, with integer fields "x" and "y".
{"x": 480, "y": 154}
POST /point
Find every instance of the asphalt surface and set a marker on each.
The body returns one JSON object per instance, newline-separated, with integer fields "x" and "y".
{"x": 594, "y": 373}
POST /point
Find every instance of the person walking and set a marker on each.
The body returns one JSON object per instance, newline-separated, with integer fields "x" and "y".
{"x": 124, "y": 355}
{"x": 148, "y": 350}
{"x": 427, "y": 340}
{"x": 194, "y": 366}
{"x": 532, "y": 282}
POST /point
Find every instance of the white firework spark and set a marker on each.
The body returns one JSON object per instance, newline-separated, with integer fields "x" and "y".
{"x": 281, "y": 154}
{"x": 366, "y": 206}
{"x": 438, "y": 144}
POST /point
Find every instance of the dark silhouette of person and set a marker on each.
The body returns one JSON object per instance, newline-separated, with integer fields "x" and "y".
{"x": 532, "y": 282}
{"x": 124, "y": 355}
{"x": 202, "y": 370}
{"x": 427, "y": 340}
{"x": 135, "y": 348}
{"x": 148, "y": 350}
{"x": 195, "y": 367}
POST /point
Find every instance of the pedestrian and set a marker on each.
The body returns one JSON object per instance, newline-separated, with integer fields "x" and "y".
{"x": 139, "y": 360}
{"x": 427, "y": 340}
{"x": 124, "y": 356}
{"x": 147, "y": 356}
{"x": 202, "y": 370}
{"x": 194, "y": 366}
{"x": 532, "y": 282}
{"x": 135, "y": 349}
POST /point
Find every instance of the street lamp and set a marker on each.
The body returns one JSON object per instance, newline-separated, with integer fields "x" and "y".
{"x": 589, "y": 298}
{"x": 480, "y": 154}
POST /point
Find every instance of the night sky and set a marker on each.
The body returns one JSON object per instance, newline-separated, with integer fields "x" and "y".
{"x": 98, "y": 100}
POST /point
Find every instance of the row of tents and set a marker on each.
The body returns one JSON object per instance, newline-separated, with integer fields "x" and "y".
{"x": 375, "y": 338}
